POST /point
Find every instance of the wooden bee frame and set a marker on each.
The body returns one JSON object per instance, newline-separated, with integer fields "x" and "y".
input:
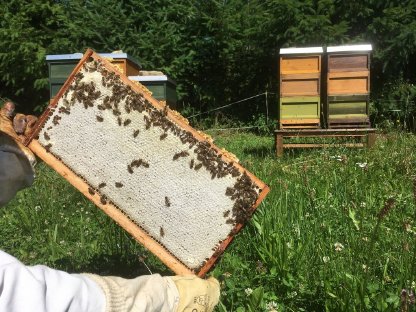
{"x": 98, "y": 105}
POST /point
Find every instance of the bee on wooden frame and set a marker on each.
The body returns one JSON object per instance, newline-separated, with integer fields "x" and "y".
{"x": 103, "y": 199}
{"x": 48, "y": 147}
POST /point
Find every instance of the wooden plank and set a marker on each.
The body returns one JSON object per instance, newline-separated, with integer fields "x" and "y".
{"x": 112, "y": 211}
{"x": 300, "y": 87}
{"x": 348, "y": 85}
{"x": 308, "y": 145}
{"x": 300, "y": 76}
{"x": 300, "y": 121}
{"x": 352, "y": 74}
{"x": 279, "y": 144}
{"x": 348, "y": 62}
{"x": 300, "y": 64}
{"x": 371, "y": 139}
{"x": 326, "y": 131}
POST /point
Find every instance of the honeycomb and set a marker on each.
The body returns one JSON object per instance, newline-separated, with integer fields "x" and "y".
{"x": 171, "y": 182}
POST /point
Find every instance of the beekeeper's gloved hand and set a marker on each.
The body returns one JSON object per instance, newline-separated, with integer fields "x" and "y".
{"x": 16, "y": 160}
{"x": 157, "y": 293}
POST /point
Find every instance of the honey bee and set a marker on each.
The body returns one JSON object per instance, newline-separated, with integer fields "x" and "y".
{"x": 46, "y": 136}
{"x": 197, "y": 167}
{"x": 180, "y": 154}
{"x": 167, "y": 201}
{"x": 101, "y": 185}
{"x": 226, "y": 214}
{"x": 99, "y": 118}
{"x": 229, "y": 221}
{"x": 229, "y": 191}
{"x": 165, "y": 110}
{"x": 191, "y": 163}
{"x": 119, "y": 121}
{"x": 48, "y": 147}
{"x": 91, "y": 191}
{"x": 129, "y": 169}
{"x": 162, "y": 232}
{"x": 147, "y": 121}
{"x": 103, "y": 199}
{"x": 49, "y": 128}
{"x": 145, "y": 164}
{"x": 118, "y": 184}
{"x": 126, "y": 122}
{"x": 136, "y": 133}
{"x": 163, "y": 136}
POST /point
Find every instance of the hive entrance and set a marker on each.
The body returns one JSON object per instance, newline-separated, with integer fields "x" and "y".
{"x": 135, "y": 156}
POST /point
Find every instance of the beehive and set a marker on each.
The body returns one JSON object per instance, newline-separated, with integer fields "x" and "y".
{"x": 300, "y": 77}
{"x": 175, "y": 192}
{"x": 162, "y": 87}
{"x": 348, "y": 86}
{"x": 60, "y": 67}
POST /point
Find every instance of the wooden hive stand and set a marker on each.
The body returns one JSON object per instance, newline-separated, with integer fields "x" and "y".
{"x": 361, "y": 138}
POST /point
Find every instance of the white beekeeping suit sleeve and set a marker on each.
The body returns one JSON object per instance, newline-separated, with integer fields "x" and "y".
{"x": 39, "y": 288}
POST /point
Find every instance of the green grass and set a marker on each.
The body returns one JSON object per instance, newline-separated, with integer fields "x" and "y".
{"x": 316, "y": 243}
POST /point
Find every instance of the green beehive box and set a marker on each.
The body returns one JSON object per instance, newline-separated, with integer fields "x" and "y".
{"x": 60, "y": 67}
{"x": 162, "y": 87}
{"x": 348, "y": 111}
{"x": 299, "y": 112}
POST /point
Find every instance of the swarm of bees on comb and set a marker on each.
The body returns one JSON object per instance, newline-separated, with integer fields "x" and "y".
{"x": 185, "y": 193}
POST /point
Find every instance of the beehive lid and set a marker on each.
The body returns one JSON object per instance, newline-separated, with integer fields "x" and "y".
{"x": 78, "y": 56}
{"x": 310, "y": 50}
{"x": 152, "y": 78}
{"x": 350, "y": 48}
{"x": 174, "y": 191}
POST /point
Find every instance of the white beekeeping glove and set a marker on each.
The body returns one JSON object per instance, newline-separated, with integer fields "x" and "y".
{"x": 156, "y": 293}
{"x": 16, "y": 160}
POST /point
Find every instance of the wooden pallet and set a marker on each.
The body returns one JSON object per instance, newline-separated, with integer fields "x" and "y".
{"x": 368, "y": 134}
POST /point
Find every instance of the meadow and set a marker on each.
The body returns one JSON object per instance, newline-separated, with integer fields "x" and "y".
{"x": 337, "y": 231}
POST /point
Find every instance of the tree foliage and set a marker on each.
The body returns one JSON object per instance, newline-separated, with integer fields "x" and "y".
{"x": 218, "y": 50}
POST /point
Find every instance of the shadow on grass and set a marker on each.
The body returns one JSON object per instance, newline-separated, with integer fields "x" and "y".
{"x": 115, "y": 265}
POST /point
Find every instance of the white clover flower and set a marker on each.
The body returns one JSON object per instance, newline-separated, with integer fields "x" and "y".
{"x": 248, "y": 291}
{"x": 362, "y": 165}
{"x": 325, "y": 259}
{"x": 338, "y": 246}
{"x": 272, "y": 306}
{"x": 363, "y": 204}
